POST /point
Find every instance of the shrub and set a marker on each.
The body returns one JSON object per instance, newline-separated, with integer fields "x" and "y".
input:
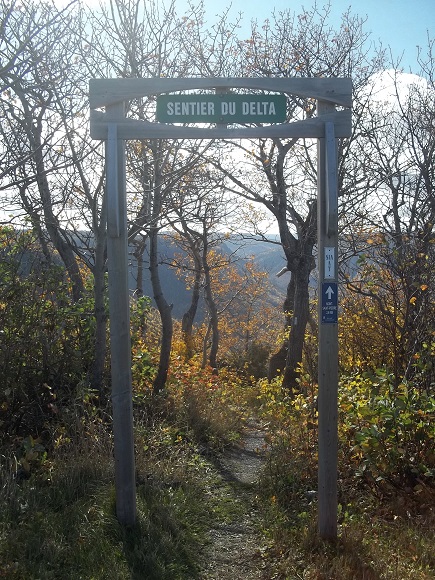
{"x": 387, "y": 432}
{"x": 45, "y": 342}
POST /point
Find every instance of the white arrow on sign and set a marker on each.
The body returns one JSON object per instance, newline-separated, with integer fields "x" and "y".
{"x": 329, "y": 292}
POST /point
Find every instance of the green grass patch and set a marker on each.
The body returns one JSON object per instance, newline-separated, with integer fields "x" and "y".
{"x": 61, "y": 523}
{"x": 385, "y": 532}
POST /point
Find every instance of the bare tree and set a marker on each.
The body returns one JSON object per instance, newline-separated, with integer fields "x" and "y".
{"x": 32, "y": 122}
{"x": 53, "y": 172}
{"x": 201, "y": 211}
{"x": 22, "y": 27}
{"x": 396, "y": 234}
{"x": 141, "y": 39}
{"x": 281, "y": 174}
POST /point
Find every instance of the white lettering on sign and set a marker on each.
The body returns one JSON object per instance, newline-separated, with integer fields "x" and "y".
{"x": 189, "y": 108}
{"x": 228, "y": 108}
{"x": 207, "y": 108}
{"x": 258, "y": 108}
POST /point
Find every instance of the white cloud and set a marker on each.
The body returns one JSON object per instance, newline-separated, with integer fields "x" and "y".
{"x": 387, "y": 85}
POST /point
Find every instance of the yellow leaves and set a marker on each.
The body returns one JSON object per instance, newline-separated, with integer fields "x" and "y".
{"x": 423, "y": 288}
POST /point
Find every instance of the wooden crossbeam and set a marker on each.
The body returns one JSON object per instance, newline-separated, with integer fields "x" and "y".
{"x": 103, "y": 92}
{"x": 134, "y": 129}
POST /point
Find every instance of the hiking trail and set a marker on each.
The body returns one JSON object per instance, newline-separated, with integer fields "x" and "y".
{"x": 235, "y": 548}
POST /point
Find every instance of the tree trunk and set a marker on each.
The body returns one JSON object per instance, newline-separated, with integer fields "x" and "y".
{"x": 300, "y": 261}
{"x": 51, "y": 221}
{"x": 165, "y": 311}
{"x": 214, "y": 343}
{"x": 214, "y": 325}
{"x": 204, "y": 345}
{"x": 100, "y": 313}
{"x": 278, "y": 360}
{"x": 299, "y": 321}
{"x": 139, "y": 249}
{"x": 189, "y": 316}
{"x": 35, "y": 220}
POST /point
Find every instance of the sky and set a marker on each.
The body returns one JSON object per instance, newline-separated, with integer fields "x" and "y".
{"x": 400, "y": 24}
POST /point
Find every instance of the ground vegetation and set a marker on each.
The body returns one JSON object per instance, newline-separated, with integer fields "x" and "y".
{"x": 200, "y": 396}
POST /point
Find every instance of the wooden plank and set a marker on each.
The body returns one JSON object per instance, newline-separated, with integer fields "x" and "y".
{"x": 120, "y": 343}
{"x": 331, "y": 179}
{"x": 309, "y": 128}
{"x": 113, "y": 228}
{"x": 328, "y": 350}
{"x": 103, "y": 92}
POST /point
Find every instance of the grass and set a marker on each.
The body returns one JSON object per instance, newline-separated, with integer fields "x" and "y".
{"x": 57, "y": 525}
{"x": 368, "y": 548}
{"x": 385, "y": 533}
{"x": 61, "y": 523}
{"x": 58, "y": 519}
{"x": 66, "y": 527}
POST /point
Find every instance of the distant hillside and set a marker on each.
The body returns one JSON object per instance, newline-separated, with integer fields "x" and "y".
{"x": 268, "y": 257}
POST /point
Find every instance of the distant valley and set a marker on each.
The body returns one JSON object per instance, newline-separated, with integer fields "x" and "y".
{"x": 268, "y": 257}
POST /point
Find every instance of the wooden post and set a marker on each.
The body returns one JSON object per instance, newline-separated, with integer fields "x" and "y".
{"x": 119, "y": 308}
{"x": 329, "y": 124}
{"x": 328, "y": 328}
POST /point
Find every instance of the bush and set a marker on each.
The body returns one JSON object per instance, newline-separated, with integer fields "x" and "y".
{"x": 387, "y": 432}
{"x": 252, "y": 362}
{"x": 45, "y": 348}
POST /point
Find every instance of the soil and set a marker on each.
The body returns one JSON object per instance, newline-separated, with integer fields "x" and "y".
{"x": 236, "y": 543}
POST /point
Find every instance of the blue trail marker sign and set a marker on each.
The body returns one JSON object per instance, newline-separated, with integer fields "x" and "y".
{"x": 329, "y": 303}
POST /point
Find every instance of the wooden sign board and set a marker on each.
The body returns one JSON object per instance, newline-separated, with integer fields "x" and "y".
{"x": 225, "y": 108}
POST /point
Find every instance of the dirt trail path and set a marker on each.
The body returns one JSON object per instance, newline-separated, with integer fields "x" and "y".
{"x": 235, "y": 544}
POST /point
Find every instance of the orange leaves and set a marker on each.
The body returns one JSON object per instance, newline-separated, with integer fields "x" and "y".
{"x": 413, "y": 299}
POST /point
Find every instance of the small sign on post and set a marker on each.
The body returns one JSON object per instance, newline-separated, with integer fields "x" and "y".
{"x": 329, "y": 303}
{"x": 329, "y": 263}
